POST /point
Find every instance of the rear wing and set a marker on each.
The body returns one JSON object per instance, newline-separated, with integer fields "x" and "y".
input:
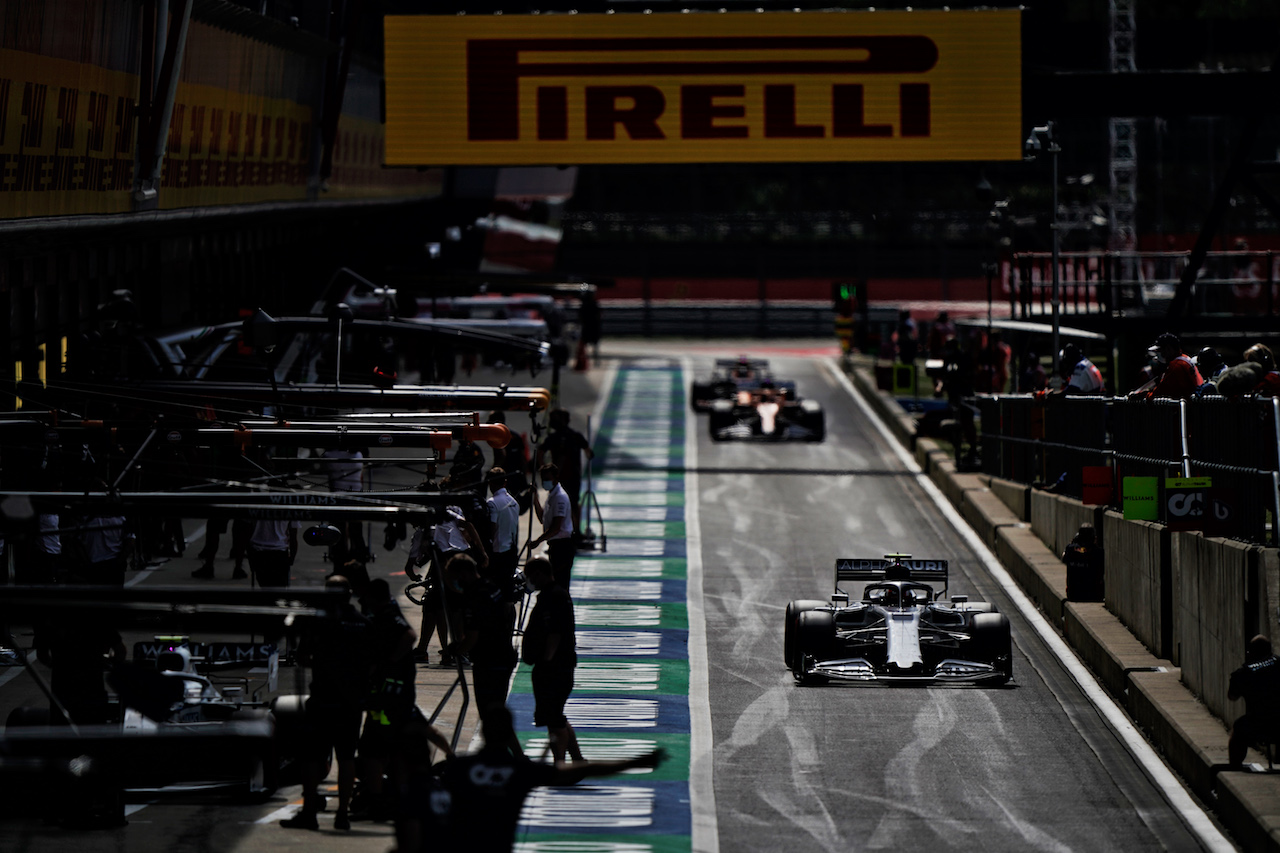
{"x": 755, "y": 363}
{"x": 873, "y": 570}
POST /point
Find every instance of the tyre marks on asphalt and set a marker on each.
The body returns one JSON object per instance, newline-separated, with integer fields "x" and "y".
{"x": 631, "y": 691}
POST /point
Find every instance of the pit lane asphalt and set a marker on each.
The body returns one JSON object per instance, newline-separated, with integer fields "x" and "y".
{"x": 1031, "y": 766}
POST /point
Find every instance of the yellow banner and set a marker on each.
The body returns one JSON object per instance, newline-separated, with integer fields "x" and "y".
{"x": 677, "y": 88}
{"x": 68, "y": 136}
{"x": 67, "y": 132}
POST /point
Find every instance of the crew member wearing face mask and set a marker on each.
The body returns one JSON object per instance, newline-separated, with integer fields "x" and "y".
{"x": 557, "y": 525}
{"x": 1180, "y": 378}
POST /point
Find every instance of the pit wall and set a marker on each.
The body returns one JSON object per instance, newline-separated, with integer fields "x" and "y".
{"x": 1179, "y": 609}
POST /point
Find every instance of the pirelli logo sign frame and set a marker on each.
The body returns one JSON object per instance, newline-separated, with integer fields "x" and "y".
{"x": 703, "y": 88}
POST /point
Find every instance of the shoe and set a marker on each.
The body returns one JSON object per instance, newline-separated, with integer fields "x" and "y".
{"x": 341, "y": 821}
{"x": 422, "y": 655}
{"x": 302, "y": 820}
{"x": 238, "y": 574}
{"x": 205, "y": 572}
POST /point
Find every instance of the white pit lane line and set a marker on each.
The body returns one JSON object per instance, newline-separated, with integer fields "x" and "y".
{"x": 1195, "y": 818}
{"x": 702, "y": 791}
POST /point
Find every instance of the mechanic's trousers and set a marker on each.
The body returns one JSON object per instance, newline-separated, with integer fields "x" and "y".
{"x": 270, "y": 568}
{"x": 561, "y": 553}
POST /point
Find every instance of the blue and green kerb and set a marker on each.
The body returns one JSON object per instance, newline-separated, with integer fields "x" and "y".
{"x": 631, "y": 691}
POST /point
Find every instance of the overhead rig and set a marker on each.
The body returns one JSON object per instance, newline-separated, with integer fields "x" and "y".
{"x": 246, "y": 434}
{"x": 233, "y": 400}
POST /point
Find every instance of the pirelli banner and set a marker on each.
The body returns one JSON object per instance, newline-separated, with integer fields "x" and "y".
{"x": 700, "y": 88}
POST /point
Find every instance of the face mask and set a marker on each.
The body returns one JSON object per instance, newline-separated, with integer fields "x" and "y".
{"x": 546, "y": 482}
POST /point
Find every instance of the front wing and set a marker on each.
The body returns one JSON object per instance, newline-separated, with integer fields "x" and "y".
{"x": 946, "y": 671}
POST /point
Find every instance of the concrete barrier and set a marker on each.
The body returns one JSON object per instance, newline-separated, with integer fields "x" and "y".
{"x": 1249, "y": 803}
{"x": 1192, "y": 739}
{"x": 1056, "y": 518}
{"x": 954, "y": 485}
{"x": 1016, "y": 496}
{"x": 1041, "y": 575}
{"x": 1110, "y": 649}
{"x": 1219, "y": 605}
{"x": 1269, "y": 572}
{"x": 986, "y": 514}
{"x": 1137, "y": 580}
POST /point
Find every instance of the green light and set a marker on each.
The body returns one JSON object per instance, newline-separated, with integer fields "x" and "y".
{"x": 844, "y": 291}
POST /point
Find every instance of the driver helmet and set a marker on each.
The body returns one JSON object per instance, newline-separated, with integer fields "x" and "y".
{"x": 174, "y": 659}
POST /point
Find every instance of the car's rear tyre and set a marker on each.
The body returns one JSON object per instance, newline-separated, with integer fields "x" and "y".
{"x": 699, "y": 395}
{"x": 814, "y": 419}
{"x": 992, "y": 642}
{"x": 794, "y": 609}
{"x": 815, "y": 637}
{"x": 818, "y": 427}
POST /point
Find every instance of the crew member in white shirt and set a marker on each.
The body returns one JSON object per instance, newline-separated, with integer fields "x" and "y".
{"x": 504, "y": 520}
{"x": 345, "y": 468}
{"x": 557, "y": 525}
{"x": 107, "y": 544}
{"x": 272, "y": 549}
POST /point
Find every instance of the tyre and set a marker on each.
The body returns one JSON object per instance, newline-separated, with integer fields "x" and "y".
{"x": 263, "y": 772}
{"x": 721, "y": 418}
{"x": 794, "y": 609}
{"x": 290, "y": 713}
{"x": 698, "y": 396}
{"x": 815, "y": 637}
{"x": 39, "y": 792}
{"x": 25, "y": 716}
{"x": 813, "y": 419}
{"x": 991, "y": 641}
{"x": 818, "y": 427}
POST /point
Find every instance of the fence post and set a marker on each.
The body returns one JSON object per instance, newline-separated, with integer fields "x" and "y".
{"x": 1275, "y": 475}
{"x": 1186, "y": 447}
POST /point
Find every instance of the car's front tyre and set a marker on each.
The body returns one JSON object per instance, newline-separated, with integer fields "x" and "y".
{"x": 991, "y": 641}
{"x": 794, "y": 609}
{"x": 815, "y": 639}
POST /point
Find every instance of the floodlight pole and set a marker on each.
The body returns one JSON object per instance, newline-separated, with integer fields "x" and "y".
{"x": 1053, "y": 150}
{"x": 1032, "y": 146}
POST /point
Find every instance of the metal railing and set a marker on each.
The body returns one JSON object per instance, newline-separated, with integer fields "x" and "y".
{"x": 1236, "y": 442}
{"x": 1232, "y": 283}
